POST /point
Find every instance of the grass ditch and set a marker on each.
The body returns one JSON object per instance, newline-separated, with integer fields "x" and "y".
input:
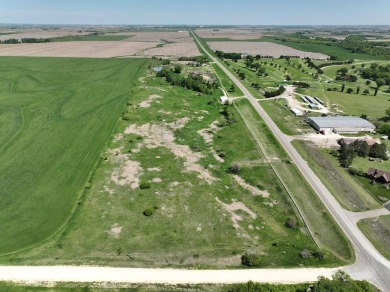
{"x": 377, "y": 230}
{"x": 317, "y": 218}
{"x": 226, "y": 82}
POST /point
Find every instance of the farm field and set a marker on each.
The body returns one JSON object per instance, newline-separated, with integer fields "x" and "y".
{"x": 39, "y": 33}
{"x": 263, "y": 49}
{"x": 57, "y": 114}
{"x": 156, "y": 36}
{"x": 230, "y": 33}
{"x": 96, "y": 49}
{"x": 163, "y": 196}
{"x": 378, "y": 231}
{"x": 185, "y": 49}
{"x": 146, "y": 44}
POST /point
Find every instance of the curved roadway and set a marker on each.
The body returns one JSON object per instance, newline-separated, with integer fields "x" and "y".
{"x": 370, "y": 264}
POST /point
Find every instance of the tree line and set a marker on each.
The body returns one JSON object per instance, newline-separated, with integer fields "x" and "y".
{"x": 274, "y": 93}
{"x": 340, "y": 282}
{"x": 25, "y": 40}
{"x": 196, "y": 83}
{"x": 360, "y": 148}
{"x": 353, "y": 43}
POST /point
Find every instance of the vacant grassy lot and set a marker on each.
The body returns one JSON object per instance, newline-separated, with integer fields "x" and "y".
{"x": 162, "y": 196}
{"x": 378, "y": 231}
{"x": 56, "y": 115}
{"x": 287, "y": 122}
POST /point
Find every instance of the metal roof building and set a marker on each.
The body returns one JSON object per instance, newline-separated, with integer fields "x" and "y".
{"x": 341, "y": 124}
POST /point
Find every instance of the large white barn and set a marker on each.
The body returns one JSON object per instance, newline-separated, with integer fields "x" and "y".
{"x": 341, "y": 124}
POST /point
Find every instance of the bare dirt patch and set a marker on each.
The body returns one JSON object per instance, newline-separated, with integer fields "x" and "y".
{"x": 147, "y": 102}
{"x": 163, "y": 136}
{"x": 235, "y": 206}
{"x": 179, "y": 124}
{"x": 157, "y": 180}
{"x": 263, "y": 48}
{"x": 115, "y": 230}
{"x": 255, "y": 191}
{"x": 128, "y": 173}
{"x": 208, "y": 133}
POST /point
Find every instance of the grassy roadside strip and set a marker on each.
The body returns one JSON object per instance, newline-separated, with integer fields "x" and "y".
{"x": 225, "y": 81}
{"x": 348, "y": 193}
{"x": 328, "y": 234}
{"x": 323, "y": 225}
{"x": 297, "y": 210}
{"x": 281, "y": 115}
{"x": 377, "y": 230}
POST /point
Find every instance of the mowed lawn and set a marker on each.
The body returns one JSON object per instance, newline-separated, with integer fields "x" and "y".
{"x": 56, "y": 116}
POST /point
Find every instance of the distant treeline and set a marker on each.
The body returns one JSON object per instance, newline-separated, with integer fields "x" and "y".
{"x": 25, "y": 40}
{"x": 354, "y": 43}
{"x": 44, "y": 40}
{"x": 232, "y": 56}
{"x": 199, "y": 59}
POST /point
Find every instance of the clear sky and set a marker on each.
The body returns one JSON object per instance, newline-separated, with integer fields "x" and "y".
{"x": 238, "y": 12}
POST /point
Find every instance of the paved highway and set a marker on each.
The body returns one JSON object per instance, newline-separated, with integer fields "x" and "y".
{"x": 370, "y": 264}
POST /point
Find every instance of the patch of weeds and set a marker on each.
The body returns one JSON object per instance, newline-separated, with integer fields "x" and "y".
{"x": 144, "y": 185}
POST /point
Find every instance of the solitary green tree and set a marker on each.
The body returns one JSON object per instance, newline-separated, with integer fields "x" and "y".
{"x": 379, "y": 82}
{"x": 178, "y": 69}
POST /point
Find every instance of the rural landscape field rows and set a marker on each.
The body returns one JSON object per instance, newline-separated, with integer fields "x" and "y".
{"x": 57, "y": 123}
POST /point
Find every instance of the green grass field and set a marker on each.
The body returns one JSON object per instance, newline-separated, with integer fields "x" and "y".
{"x": 377, "y": 231}
{"x": 56, "y": 116}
